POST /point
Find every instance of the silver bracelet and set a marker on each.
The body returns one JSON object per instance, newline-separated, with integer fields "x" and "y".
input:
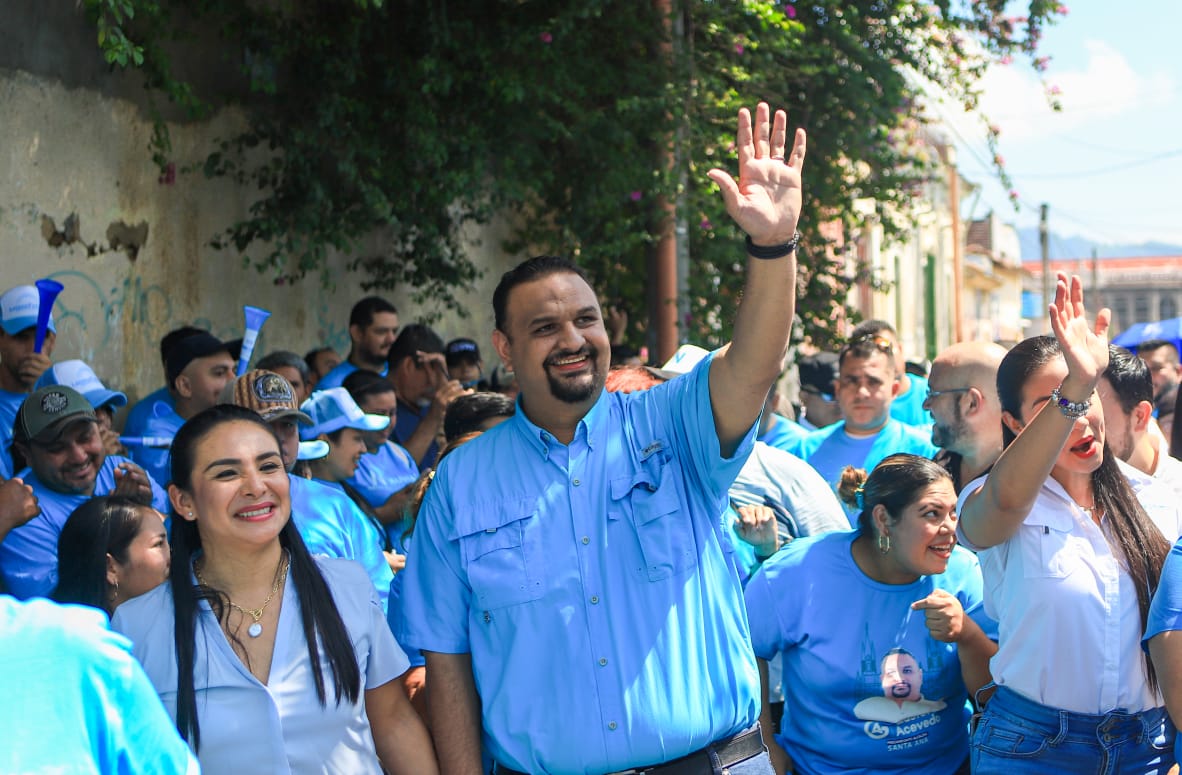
{"x": 1071, "y": 409}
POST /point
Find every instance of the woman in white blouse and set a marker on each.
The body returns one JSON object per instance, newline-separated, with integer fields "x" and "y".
{"x": 1070, "y": 560}
{"x": 267, "y": 659}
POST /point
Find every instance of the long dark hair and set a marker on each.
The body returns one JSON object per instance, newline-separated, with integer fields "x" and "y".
{"x": 896, "y": 482}
{"x": 318, "y": 610}
{"x": 100, "y": 526}
{"x": 1137, "y": 543}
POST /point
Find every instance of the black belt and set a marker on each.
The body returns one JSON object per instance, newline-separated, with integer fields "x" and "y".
{"x": 731, "y": 750}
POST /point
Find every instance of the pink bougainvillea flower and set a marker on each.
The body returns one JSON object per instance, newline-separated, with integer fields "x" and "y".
{"x": 1041, "y": 63}
{"x": 1062, "y": 10}
{"x": 705, "y": 225}
{"x": 635, "y": 196}
{"x": 1055, "y": 89}
{"x": 1014, "y": 194}
{"x": 1005, "y": 60}
{"x": 994, "y": 130}
{"x": 999, "y": 160}
{"x": 546, "y": 37}
{"x": 790, "y": 11}
{"x": 739, "y": 48}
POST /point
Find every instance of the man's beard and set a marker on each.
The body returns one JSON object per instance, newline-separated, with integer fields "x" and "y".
{"x": 579, "y": 392}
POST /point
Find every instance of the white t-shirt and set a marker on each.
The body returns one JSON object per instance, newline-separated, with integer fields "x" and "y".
{"x": 279, "y": 727}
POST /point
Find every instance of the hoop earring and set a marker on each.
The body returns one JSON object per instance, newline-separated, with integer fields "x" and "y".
{"x": 884, "y": 543}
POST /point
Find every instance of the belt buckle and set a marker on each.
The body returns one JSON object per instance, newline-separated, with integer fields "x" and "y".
{"x": 632, "y": 771}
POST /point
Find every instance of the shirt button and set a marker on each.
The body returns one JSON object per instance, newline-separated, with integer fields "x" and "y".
{"x": 586, "y": 540}
{"x": 576, "y": 482}
{"x": 611, "y": 725}
{"x": 602, "y": 661}
{"x": 594, "y": 599}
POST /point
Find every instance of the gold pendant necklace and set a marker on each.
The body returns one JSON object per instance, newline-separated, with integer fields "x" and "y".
{"x": 256, "y": 614}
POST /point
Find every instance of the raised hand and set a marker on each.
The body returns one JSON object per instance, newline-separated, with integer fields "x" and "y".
{"x": 1085, "y": 348}
{"x": 765, "y": 201}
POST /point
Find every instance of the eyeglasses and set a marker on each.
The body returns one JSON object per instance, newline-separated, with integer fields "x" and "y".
{"x": 934, "y": 393}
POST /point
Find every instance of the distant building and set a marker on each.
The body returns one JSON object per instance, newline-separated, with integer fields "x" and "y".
{"x": 993, "y": 282}
{"x": 1138, "y": 290}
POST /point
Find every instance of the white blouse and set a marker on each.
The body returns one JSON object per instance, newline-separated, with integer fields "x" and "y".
{"x": 1068, "y": 619}
{"x": 279, "y": 727}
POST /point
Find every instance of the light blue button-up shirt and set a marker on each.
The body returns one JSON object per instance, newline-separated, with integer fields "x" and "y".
{"x": 155, "y": 416}
{"x": 590, "y": 584}
{"x": 28, "y": 556}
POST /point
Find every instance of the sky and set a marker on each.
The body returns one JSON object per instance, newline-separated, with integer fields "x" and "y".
{"x": 1109, "y": 164}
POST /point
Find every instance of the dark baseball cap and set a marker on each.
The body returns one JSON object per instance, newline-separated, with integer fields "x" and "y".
{"x": 185, "y": 351}
{"x": 48, "y": 411}
{"x": 818, "y": 372}
{"x": 461, "y": 350}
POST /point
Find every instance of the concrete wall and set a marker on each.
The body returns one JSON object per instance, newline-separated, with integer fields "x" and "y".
{"x": 82, "y": 202}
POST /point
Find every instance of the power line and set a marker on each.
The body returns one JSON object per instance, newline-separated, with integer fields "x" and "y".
{"x": 1103, "y": 170}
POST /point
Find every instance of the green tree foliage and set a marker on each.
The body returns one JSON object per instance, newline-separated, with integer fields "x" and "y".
{"x": 417, "y": 118}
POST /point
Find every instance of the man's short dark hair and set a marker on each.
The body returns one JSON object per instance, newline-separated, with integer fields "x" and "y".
{"x": 468, "y": 412}
{"x": 1153, "y": 345}
{"x": 364, "y": 311}
{"x": 527, "y": 271}
{"x": 872, "y": 327}
{"x": 281, "y": 358}
{"x": 174, "y": 336}
{"x": 414, "y": 338}
{"x": 1129, "y": 377}
{"x": 362, "y": 384}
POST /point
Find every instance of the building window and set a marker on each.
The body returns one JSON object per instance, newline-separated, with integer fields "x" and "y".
{"x": 1167, "y": 308}
{"x": 1141, "y": 313}
{"x": 1120, "y": 311}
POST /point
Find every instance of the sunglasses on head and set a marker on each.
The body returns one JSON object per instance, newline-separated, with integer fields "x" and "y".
{"x": 878, "y": 340}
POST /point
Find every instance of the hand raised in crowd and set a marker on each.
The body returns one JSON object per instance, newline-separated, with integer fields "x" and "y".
{"x": 18, "y": 505}
{"x": 944, "y": 615}
{"x": 132, "y": 482}
{"x": 1085, "y": 348}
{"x": 32, "y": 366}
{"x": 757, "y": 526}
{"x": 766, "y": 200}
{"x": 615, "y": 319}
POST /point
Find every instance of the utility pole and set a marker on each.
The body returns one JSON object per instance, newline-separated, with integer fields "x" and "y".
{"x": 1044, "y": 242}
{"x": 663, "y": 269}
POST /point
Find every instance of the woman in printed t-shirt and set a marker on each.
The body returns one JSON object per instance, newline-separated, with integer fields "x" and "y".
{"x": 881, "y": 629}
{"x": 1070, "y": 559}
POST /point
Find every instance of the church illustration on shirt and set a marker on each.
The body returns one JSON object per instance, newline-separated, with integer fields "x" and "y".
{"x": 891, "y": 688}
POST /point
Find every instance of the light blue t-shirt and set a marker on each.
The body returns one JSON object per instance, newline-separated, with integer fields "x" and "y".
{"x": 337, "y": 375}
{"x": 76, "y": 699}
{"x": 908, "y": 407}
{"x": 1165, "y": 612}
{"x": 10, "y": 404}
{"x": 831, "y": 449}
{"x": 156, "y": 418}
{"x": 331, "y": 525}
{"x": 590, "y": 584}
{"x": 783, "y": 434}
{"x": 28, "y": 556}
{"x": 853, "y": 703}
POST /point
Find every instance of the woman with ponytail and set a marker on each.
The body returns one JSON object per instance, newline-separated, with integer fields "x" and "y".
{"x": 267, "y": 659}
{"x": 1070, "y": 561}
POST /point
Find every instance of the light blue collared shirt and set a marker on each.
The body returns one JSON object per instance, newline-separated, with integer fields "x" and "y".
{"x": 331, "y": 525}
{"x": 76, "y": 700}
{"x": 28, "y": 556}
{"x": 381, "y": 474}
{"x": 590, "y": 584}
{"x": 337, "y": 375}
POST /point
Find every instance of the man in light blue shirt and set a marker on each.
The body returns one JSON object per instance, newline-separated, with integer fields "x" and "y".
{"x": 75, "y": 700}
{"x": 567, "y": 579}
{"x": 57, "y": 433}
{"x": 373, "y": 326}
{"x": 865, "y": 388}
{"x": 19, "y": 365}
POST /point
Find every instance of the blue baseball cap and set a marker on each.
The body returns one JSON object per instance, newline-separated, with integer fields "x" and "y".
{"x": 334, "y": 409}
{"x": 78, "y": 375}
{"x": 18, "y": 309}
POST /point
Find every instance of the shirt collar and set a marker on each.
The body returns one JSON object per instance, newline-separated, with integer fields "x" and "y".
{"x": 590, "y": 427}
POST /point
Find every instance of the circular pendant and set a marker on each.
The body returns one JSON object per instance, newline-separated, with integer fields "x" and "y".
{"x": 254, "y": 630}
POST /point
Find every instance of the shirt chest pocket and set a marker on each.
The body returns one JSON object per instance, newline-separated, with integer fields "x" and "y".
{"x": 1050, "y": 549}
{"x": 502, "y": 554}
{"x": 649, "y": 499}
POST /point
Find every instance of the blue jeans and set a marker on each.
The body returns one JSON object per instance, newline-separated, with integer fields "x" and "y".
{"x": 1015, "y": 736}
